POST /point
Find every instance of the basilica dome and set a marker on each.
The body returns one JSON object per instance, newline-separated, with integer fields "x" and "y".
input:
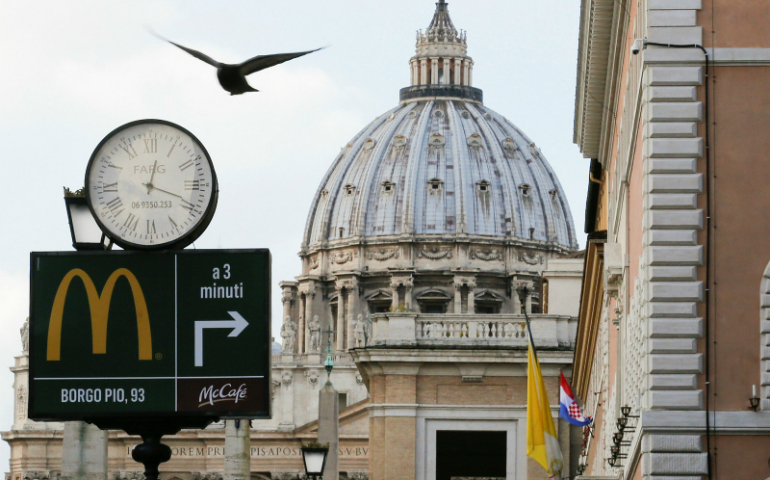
{"x": 441, "y": 165}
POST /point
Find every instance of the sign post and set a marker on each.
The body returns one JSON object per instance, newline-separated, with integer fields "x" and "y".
{"x": 150, "y": 343}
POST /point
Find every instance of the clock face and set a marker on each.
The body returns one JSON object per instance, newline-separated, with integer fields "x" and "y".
{"x": 150, "y": 184}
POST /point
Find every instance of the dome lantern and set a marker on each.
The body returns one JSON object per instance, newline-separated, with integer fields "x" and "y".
{"x": 441, "y": 65}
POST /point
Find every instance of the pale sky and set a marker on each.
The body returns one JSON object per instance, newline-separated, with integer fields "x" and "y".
{"x": 73, "y": 71}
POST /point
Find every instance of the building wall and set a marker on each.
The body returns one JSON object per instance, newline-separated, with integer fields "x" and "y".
{"x": 652, "y": 147}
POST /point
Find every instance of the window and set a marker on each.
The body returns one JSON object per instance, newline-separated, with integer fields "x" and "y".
{"x": 483, "y": 186}
{"x": 434, "y": 184}
{"x": 486, "y": 308}
{"x": 388, "y": 186}
{"x": 526, "y": 189}
{"x": 379, "y": 307}
{"x": 342, "y": 398}
{"x": 433, "y": 308}
{"x": 349, "y": 189}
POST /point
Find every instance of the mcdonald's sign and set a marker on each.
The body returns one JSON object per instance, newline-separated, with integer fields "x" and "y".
{"x": 99, "y": 305}
{"x": 137, "y": 333}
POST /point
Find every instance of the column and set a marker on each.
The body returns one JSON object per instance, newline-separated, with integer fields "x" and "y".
{"x": 84, "y": 452}
{"x": 423, "y": 71}
{"x": 458, "y": 72}
{"x": 447, "y": 71}
{"x": 415, "y": 72}
{"x": 408, "y": 284}
{"x": 466, "y": 63}
{"x": 516, "y": 301}
{"x": 394, "y": 291}
{"x": 329, "y": 428}
{"x": 309, "y": 298}
{"x": 472, "y": 296}
{"x": 434, "y": 70}
{"x": 528, "y": 303}
{"x": 470, "y": 73}
{"x": 301, "y": 331}
{"x": 458, "y": 295}
{"x": 286, "y": 300}
{"x": 352, "y": 312}
{"x": 340, "y": 319}
{"x": 237, "y": 450}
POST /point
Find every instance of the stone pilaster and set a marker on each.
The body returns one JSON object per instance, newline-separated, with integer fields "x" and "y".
{"x": 671, "y": 290}
{"x": 671, "y": 220}
{"x": 423, "y": 71}
{"x": 287, "y": 401}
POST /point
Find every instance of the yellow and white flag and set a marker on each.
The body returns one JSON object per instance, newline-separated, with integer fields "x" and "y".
{"x": 542, "y": 439}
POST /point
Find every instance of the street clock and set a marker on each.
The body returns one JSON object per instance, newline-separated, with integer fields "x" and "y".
{"x": 150, "y": 185}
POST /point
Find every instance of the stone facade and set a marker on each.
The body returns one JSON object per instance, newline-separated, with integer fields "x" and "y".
{"x": 675, "y": 251}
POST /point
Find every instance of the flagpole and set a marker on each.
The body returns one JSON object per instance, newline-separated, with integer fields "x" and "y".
{"x": 523, "y": 293}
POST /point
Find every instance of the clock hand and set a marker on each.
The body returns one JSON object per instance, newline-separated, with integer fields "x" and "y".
{"x": 152, "y": 176}
{"x": 164, "y": 191}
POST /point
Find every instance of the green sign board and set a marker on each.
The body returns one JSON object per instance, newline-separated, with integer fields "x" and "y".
{"x": 168, "y": 334}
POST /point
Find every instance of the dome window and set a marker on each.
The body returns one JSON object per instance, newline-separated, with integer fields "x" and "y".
{"x": 349, "y": 189}
{"x": 475, "y": 141}
{"x": 488, "y": 116}
{"x": 509, "y": 146}
{"x": 391, "y": 116}
{"x": 369, "y": 144}
{"x": 438, "y": 114}
{"x": 483, "y": 186}
{"x": 324, "y": 192}
{"x": 436, "y": 140}
{"x": 526, "y": 190}
{"x": 388, "y": 186}
{"x": 412, "y": 114}
{"x": 399, "y": 141}
{"x": 553, "y": 194}
{"x": 434, "y": 184}
{"x": 466, "y": 114}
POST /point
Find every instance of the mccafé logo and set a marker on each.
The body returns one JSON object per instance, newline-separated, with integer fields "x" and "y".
{"x": 99, "y": 306}
{"x": 227, "y": 393}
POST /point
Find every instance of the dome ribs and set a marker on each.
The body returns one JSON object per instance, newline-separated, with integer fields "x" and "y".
{"x": 373, "y": 175}
{"x": 501, "y": 184}
{"x": 479, "y": 161}
{"x": 419, "y": 145}
{"x": 329, "y": 218}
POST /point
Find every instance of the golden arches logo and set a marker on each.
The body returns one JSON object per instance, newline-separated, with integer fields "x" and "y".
{"x": 99, "y": 306}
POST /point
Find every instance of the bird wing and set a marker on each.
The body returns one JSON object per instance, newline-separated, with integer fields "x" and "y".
{"x": 194, "y": 53}
{"x": 198, "y": 55}
{"x": 261, "y": 62}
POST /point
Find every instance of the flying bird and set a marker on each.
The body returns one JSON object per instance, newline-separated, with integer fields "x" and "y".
{"x": 232, "y": 77}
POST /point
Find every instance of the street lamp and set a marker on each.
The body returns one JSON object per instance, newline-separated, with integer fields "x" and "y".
{"x": 86, "y": 234}
{"x": 315, "y": 460}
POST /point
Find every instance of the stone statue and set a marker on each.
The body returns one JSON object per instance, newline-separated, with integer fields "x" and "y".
{"x": 359, "y": 331}
{"x": 314, "y": 326}
{"x": 288, "y": 334}
{"x": 25, "y": 336}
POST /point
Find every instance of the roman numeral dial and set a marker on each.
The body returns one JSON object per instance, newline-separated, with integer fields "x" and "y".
{"x": 151, "y": 184}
